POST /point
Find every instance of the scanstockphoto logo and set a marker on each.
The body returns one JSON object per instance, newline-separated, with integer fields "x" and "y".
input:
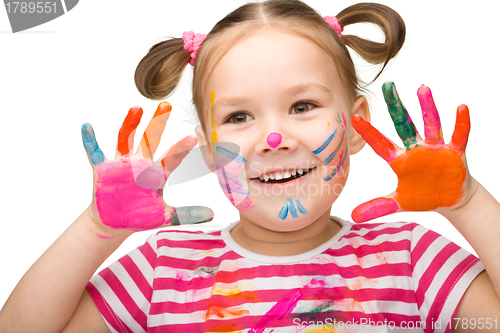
{"x": 24, "y": 15}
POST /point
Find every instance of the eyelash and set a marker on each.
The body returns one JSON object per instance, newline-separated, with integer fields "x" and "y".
{"x": 312, "y": 106}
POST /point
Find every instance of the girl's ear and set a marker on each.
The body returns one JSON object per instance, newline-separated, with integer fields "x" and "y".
{"x": 362, "y": 109}
{"x": 206, "y": 150}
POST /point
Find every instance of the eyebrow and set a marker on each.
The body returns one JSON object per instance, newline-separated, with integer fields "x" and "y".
{"x": 294, "y": 90}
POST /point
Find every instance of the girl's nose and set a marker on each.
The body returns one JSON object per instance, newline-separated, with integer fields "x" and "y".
{"x": 274, "y": 139}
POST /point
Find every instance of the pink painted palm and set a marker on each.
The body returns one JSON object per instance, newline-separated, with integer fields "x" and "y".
{"x": 128, "y": 189}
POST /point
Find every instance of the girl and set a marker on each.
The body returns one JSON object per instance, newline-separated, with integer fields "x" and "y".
{"x": 276, "y": 80}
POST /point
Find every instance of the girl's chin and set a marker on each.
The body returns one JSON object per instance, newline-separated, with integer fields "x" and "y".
{"x": 276, "y": 223}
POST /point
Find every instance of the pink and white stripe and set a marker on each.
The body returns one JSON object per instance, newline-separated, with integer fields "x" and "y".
{"x": 184, "y": 281}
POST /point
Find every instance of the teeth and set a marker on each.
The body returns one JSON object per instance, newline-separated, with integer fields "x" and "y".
{"x": 284, "y": 175}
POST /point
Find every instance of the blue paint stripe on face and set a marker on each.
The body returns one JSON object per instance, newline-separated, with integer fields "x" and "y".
{"x": 300, "y": 207}
{"x": 283, "y": 212}
{"x": 233, "y": 189}
{"x": 325, "y": 144}
{"x": 332, "y": 156}
{"x": 334, "y": 172}
{"x": 89, "y": 142}
{"x": 230, "y": 154}
{"x": 291, "y": 208}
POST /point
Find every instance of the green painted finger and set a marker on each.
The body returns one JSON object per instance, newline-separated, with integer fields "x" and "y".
{"x": 400, "y": 117}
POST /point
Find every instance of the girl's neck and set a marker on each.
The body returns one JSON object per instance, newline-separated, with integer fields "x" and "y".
{"x": 274, "y": 243}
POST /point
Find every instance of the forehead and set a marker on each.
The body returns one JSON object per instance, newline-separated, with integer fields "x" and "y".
{"x": 274, "y": 61}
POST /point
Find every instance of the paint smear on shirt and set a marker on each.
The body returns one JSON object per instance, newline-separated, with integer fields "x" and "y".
{"x": 280, "y": 310}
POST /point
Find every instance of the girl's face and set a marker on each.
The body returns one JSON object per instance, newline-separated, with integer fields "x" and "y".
{"x": 278, "y": 97}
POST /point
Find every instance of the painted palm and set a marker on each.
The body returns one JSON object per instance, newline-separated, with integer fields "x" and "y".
{"x": 128, "y": 189}
{"x": 431, "y": 174}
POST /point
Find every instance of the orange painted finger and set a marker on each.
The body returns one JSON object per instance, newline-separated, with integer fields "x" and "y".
{"x": 432, "y": 122}
{"x": 380, "y": 144}
{"x": 374, "y": 208}
{"x": 152, "y": 135}
{"x": 462, "y": 129}
{"x": 176, "y": 153}
{"x": 127, "y": 131}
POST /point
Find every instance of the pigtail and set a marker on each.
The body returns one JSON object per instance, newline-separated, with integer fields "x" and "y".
{"x": 387, "y": 19}
{"x": 159, "y": 72}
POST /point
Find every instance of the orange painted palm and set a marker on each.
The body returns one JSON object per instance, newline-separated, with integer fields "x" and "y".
{"x": 431, "y": 174}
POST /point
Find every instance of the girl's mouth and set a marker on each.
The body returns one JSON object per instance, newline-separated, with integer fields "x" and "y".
{"x": 284, "y": 180}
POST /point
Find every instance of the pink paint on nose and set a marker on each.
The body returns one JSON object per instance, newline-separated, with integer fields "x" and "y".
{"x": 274, "y": 139}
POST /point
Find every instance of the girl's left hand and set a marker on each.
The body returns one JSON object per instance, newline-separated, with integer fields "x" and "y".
{"x": 432, "y": 175}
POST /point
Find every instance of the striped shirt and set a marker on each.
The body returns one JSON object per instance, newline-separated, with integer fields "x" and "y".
{"x": 369, "y": 277}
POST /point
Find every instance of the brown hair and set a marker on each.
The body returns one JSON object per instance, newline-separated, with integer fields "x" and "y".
{"x": 160, "y": 70}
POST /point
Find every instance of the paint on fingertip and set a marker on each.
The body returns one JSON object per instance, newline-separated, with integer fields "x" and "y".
{"x": 91, "y": 147}
{"x": 274, "y": 139}
{"x": 125, "y": 135}
{"x": 163, "y": 108}
{"x": 374, "y": 208}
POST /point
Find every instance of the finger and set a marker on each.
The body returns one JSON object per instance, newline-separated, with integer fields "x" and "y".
{"x": 380, "y": 144}
{"x": 462, "y": 129}
{"x": 91, "y": 147}
{"x": 374, "y": 208}
{"x": 189, "y": 215}
{"x": 400, "y": 117}
{"x": 432, "y": 122}
{"x": 127, "y": 131}
{"x": 176, "y": 153}
{"x": 152, "y": 135}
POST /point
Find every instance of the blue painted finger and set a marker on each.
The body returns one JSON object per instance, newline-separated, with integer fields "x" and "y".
{"x": 89, "y": 142}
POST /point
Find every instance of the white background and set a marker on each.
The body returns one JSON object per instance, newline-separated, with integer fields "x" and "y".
{"x": 80, "y": 67}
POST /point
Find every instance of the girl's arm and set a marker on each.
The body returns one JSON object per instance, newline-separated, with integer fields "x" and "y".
{"x": 479, "y": 222}
{"x": 46, "y": 297}
{"x": 127, "y": 197}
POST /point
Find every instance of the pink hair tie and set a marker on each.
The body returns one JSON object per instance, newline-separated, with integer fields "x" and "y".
{"x": 192, "y": 43}
{"x": 334, "y": 23}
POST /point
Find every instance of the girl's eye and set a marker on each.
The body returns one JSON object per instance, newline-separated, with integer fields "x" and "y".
{"x": 302, "y": 107}
{"x": 238, "y": 118}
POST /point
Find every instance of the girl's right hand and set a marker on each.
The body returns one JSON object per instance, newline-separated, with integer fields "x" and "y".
{"x": 127, "y": 195}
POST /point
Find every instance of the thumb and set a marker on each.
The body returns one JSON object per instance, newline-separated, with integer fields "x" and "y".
{"x": 375, "y": 208}
{"x": 188, "y": 215}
